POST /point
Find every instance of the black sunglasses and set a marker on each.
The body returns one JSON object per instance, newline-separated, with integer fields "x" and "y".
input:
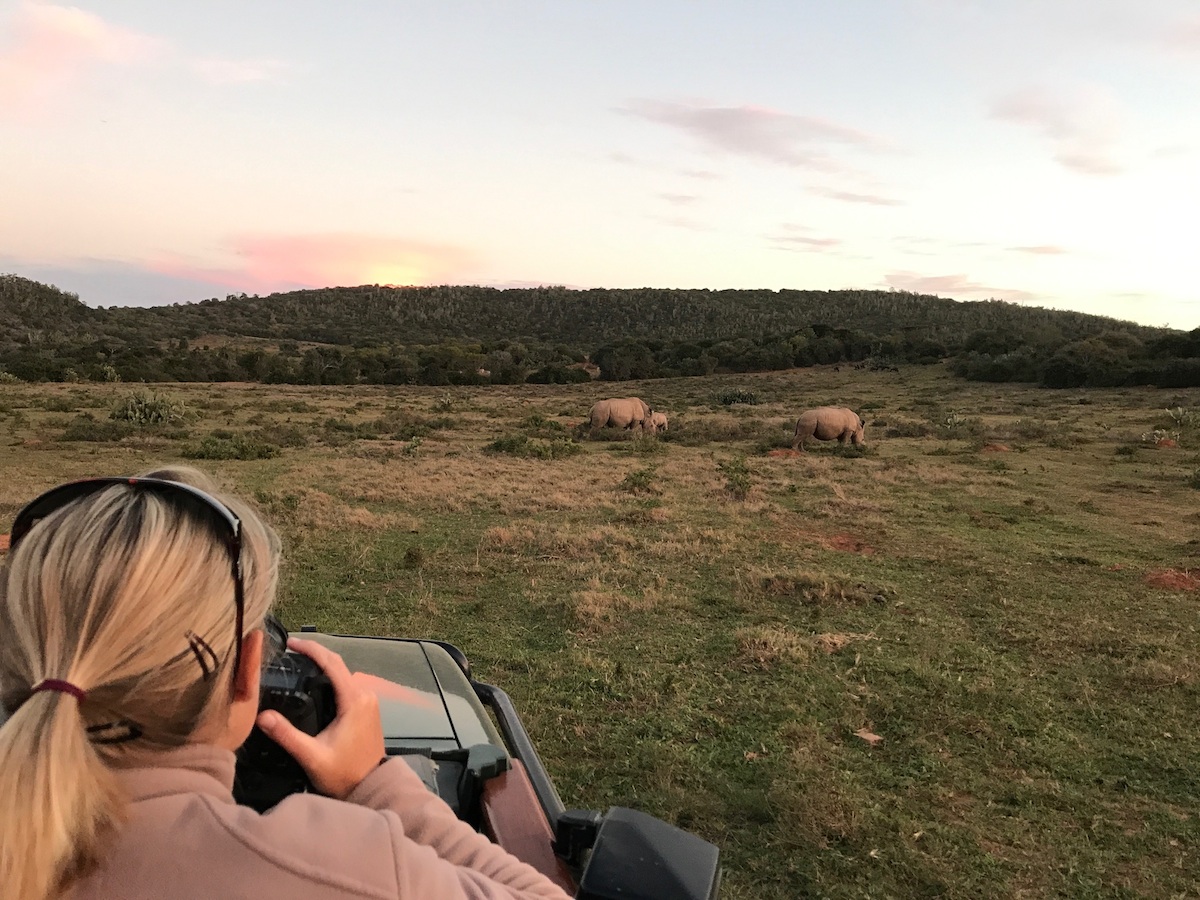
{"x": 224, "y": 522}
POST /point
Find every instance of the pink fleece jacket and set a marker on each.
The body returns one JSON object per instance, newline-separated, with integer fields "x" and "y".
{"x": 186, "y": 839}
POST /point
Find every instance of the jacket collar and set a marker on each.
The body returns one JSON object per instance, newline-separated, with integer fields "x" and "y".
{"x": 190, "y": 769}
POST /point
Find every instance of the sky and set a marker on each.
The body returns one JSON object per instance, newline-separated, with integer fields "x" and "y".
{"x": 1046, "y": 153}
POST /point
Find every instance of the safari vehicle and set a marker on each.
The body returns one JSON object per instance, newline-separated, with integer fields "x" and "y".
{"x": 467, "y": 742}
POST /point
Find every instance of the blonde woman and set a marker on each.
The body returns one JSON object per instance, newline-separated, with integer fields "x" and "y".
{"x": 131, "y": 612}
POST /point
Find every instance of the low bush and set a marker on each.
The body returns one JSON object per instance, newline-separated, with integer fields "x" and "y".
{"x": 737, "y": 395}
{"x": 908, "y": 428}
{"x": 85, "y": 427}
{"x": 282, "y": 435}
{"x": 144, "y": 407}
{"x": 641, "y": 445}
{"x": 641, "y": 481}
{"x": 539, "y": 425}
{"x": 523, "y": 445}
{"x": 238, "y": 446}
{"x": 737, "y": 477}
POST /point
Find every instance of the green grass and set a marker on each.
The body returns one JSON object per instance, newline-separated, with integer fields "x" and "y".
{"x": 702, "y": 634}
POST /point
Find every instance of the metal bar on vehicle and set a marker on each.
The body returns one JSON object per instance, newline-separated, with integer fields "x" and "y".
{"x": 517, "y": 738}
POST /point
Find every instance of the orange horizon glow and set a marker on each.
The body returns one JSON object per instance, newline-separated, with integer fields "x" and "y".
{"x": 279, "y": 263}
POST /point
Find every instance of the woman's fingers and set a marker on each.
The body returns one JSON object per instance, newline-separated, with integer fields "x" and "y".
{"x": 338, "y": 758}
{"x": 331, "y": 663}
{"x": 299, "y": 746}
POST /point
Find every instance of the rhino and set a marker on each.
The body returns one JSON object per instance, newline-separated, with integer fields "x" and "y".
{"x": 626, "y": 412}
{"x": 828, "y": 423}
{"x": 658, "y": 421}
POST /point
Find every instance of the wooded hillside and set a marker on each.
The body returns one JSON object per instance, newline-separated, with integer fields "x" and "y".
{"x": 464, "y": 334}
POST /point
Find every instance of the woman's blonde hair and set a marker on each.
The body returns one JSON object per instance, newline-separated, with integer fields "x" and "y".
{"x": 110, "y": 593}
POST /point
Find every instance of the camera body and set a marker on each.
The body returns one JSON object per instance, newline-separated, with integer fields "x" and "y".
{"x": 295, "y": 687}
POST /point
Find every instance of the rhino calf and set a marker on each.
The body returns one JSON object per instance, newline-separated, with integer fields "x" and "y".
{"x": 658, "y": 421}
{"x": 828, "y": 423}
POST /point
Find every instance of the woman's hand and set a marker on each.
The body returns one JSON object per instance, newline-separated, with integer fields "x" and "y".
{"x": 342, "y": 755}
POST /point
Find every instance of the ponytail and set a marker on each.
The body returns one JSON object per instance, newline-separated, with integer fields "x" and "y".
{"x": 57, "y": 798}
{"x": 110, "y": 593}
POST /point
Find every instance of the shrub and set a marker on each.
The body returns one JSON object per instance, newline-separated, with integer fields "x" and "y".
{"x": 8, "y": 378}
{"x": 737, "y": 395}
{"x": 523, "y": 445}
{"x": 1194, "y": 480}
{"x": 238, "y": 446}
{"x": 84, "y": 427}
{"x": 641, "y": 481}
{"x": 908, "y": 428}
{"x": 955, "y": 424}
{"x": 737, "y": 477}
{"x": 539, "y": 425}
{"x": 641, "y": 445}
{"x": 1184, "y": 418}
{"x": 1158, "y": 435}
{"x": 282, "y": 435}
{"x": 58, "y": 404}
{"x": 143, "y": 408}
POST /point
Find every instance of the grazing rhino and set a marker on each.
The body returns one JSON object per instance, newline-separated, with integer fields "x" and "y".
{"x": 828, "y": 423}
{"x": 627, "y": 412}
{"x": 658, "y": 421}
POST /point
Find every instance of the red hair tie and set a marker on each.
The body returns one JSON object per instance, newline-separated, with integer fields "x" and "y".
{"x": 61, "y": 687}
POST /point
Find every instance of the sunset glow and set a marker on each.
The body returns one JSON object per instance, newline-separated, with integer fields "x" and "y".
{"x": 167, "y": 153}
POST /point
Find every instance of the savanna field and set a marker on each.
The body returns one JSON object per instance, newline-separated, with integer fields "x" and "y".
{"x": 963, "y": 662}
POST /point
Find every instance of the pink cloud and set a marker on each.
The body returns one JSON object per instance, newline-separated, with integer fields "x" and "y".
{"x": 231, "y": 71}
{"x": 1184, "y": 36}
{"x": 854, "y": 197}
{"x": 279, "y": 263}
{"x": 51, "y": 46}
{"x": 54, "y": 48}
{"x": 1082, "y": 128}
{"x": 801, "y": 243}
{"x": 680, "y": 199}
{"x": 950, "y": 284}
{"x": 1040, "y": 250}
{"x": 784, "y": 138}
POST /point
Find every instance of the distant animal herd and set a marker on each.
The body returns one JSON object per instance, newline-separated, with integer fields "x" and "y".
{"x": 825, "y": 423}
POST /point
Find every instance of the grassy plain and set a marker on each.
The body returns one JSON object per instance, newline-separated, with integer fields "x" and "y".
{"x": 929, "y": 669}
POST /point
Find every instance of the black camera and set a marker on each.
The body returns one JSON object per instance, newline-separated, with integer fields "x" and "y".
{"x": 295, "y": 687}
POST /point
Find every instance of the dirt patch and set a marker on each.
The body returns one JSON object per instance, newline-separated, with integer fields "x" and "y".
{"x": 995, "y": 448}
{"x": 847, "y": 543}
{"x": 783, "y": 452}
{"x": 3, "y": 543}
{"x": 1174, "y": 580}
{"x": 1167, "y": 444}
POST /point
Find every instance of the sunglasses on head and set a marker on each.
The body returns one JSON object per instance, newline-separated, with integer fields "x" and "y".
{"x": 220, "y": 518}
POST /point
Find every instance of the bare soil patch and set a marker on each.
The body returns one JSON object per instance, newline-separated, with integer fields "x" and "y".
{"x": 995, "y": 448}
{"x": 847, "y": 543}
{"x": 783, "y": 452}
{"x": 1174, "y": 580}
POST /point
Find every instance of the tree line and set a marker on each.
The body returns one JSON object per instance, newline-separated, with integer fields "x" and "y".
{"x": 478, "y": 335}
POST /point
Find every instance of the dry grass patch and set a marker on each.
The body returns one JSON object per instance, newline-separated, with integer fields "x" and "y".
{"x": 321, "y": 513}
{"x": 542, "y": 541}
{"x": 599, "y": 606}
{"x": 813, "y": 588}
{"x": 819, "y": 800}
{"x": 763, "y": 647}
